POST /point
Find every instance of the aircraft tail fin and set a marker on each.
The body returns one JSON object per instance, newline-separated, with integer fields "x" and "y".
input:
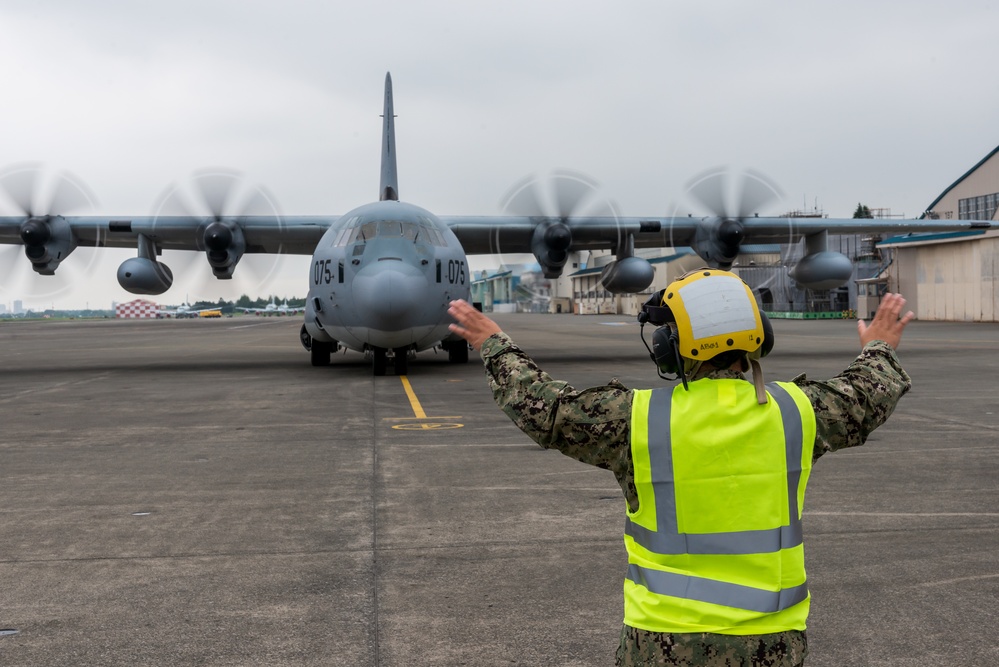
{"x": 389, "y": 189}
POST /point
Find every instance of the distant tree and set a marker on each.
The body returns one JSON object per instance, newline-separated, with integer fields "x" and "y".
{"x": 244, "y": 301}
{"x": 862, "y": 212}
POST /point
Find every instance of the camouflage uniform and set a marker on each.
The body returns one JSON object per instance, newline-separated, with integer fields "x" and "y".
{"x": 592, "y": 426}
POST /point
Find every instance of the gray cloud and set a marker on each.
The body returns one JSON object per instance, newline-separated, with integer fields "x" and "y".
{"x": 839, "y": 103}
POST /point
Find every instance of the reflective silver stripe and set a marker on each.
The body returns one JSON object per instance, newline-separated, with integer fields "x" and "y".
{"x": 667, "y": 540}
{"x": 794, "y": 436}
{"x": 716, "y": 592}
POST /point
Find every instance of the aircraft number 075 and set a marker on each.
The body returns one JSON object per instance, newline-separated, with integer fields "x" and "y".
{"x": 456, "y": 271}
{"x": 321, "y": 272}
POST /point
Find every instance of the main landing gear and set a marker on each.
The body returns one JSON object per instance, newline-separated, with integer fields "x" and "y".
{"x": 457, "y": 351}
{"x": 319, "y": 351}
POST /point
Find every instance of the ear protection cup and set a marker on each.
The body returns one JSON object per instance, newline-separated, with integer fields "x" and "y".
{"x": 768, "y": 335}
{"x": 666, "y": 350}
{"x": 768, "y": 338}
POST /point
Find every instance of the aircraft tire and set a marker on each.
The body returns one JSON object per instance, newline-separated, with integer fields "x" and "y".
{"x": 457, "y": 353}
{"x": 321, "y": 353}
{"x": 401, "y": 361}
{"x": 378, "y": 361}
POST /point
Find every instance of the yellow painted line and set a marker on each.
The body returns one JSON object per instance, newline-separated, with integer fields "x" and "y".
{"x": 413, "y": 401}
{"x": 421, "y": 416}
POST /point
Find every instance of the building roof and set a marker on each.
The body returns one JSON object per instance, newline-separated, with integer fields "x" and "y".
{"x": 492, "y": 276}
{"x": 923, "y": 238}
{"x": 958, "y": 181}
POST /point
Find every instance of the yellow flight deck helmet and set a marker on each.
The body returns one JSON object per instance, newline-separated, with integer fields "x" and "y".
{"x": 703, "y": 314}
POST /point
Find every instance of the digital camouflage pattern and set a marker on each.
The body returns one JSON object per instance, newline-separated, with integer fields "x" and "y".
{"x": 639, "y": 648}
{"x": 593, "y": 426}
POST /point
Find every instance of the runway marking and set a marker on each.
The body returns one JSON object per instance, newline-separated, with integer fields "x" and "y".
{"x": 51, "y": 388}
{"x": 247, "y": 326}
{"x": 901, "y": 513}
{"x": 426, "y": 426}
{"x": 420, "y": 423}
{"x": 956, "y": 580}
{"x": 413, "y": 400}
{"x": 909, "y": 452}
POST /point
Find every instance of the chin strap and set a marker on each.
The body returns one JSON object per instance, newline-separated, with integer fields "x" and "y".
{"x": 761, "y": 390}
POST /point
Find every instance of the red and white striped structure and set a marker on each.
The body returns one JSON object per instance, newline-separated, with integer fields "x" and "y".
{"x": 138, "y": 309}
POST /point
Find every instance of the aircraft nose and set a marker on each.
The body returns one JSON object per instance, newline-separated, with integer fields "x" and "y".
{"x": 391, "y": 292}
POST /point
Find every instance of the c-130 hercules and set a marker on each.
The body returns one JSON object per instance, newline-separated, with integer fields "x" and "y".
{"x": 383, "y": 274}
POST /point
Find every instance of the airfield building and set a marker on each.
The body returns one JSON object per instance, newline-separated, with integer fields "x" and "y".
{"x": 953, "y": 277}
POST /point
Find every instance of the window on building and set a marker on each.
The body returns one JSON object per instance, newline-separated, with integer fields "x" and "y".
{"x": 982, "y": 207}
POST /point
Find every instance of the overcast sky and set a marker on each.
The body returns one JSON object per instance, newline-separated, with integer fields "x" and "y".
{"x": 838, "y": 102}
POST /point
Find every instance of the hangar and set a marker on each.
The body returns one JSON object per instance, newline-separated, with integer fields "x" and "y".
{"x": 953, "y": 277}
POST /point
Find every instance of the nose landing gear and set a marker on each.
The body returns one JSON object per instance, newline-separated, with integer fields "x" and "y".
{"x": 380, "y": 357}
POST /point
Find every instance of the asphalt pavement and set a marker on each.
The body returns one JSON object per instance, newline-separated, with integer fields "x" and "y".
{"x": 193, "y": 492}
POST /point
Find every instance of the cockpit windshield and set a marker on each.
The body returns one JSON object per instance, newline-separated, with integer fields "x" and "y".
{"x": 359, "y": 230}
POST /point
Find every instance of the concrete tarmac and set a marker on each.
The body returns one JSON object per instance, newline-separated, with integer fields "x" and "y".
{"x": 195, "y": 493}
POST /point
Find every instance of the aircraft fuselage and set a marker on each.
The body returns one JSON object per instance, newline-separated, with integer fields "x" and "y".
{"x": 382, "y": 278}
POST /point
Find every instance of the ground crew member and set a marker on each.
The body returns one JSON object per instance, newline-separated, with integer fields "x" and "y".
{"x": 713, "y": 470}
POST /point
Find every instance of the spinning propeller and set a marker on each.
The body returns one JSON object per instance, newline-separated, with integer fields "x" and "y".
{"x": 568, "y": 197}
{"x": 41, "y": 199}
{"x": 222, "y": 199}
{"x": 558, "y": 198}
{"x": 732, "y": 197}
{"x": 729, "y": 197}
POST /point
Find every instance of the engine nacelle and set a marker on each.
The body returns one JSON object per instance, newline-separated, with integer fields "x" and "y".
{"x": 717, "y": 241}
{"x": 139, "y": 275}
{"x": 47, "y": 242}
{"x": 823, "y": 270}
{"x": 550, "y": 245}
{"x": 224, "y": 246}
{"x": 627, "y": 275}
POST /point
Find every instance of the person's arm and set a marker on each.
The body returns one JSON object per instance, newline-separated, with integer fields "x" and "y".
{"x": 851, "y": 405}
{"x": 591, "y": 425}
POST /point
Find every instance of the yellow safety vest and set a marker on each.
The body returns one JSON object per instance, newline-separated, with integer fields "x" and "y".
{"x": 715, "y": 545}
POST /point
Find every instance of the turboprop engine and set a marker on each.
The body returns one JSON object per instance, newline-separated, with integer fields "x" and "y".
{"x": 47, "y": 241}
{"x": 550, "y": 245}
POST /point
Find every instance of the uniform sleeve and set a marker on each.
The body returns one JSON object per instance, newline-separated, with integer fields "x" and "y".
{"x": 591, "y": 425}
{"x": 854, "y": 403}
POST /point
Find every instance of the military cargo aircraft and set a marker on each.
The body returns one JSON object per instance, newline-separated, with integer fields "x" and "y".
{"x": 382, "y": 275}
{"x": 273, "y": 308}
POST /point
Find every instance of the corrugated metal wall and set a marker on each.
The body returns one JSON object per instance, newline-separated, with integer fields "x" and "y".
{"x": 956, "y": 282}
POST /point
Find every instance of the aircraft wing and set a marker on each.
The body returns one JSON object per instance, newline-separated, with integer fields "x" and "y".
{"x": 717, "y": 240}
{"x": 296, "y": 235}
{"x": 48, "y": 240}
{"x": 519, "y": 234}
